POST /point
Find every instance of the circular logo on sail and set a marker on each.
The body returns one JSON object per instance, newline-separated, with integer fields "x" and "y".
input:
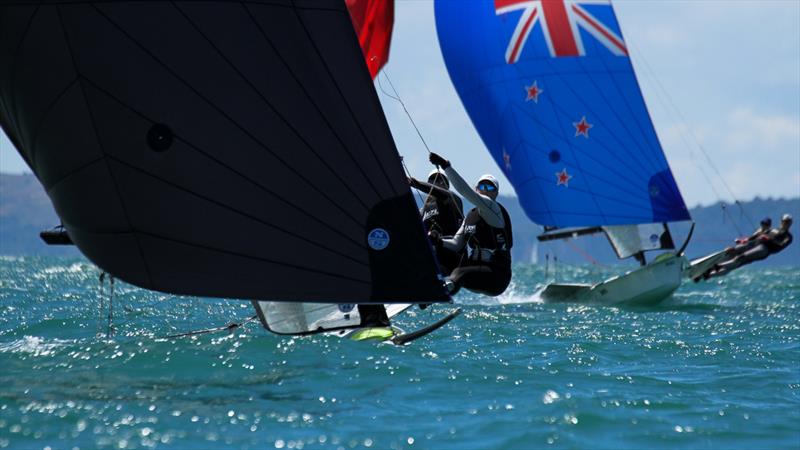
{"x": 654, "y": 238}
{"x": 346, "y": 307}
{"x": 378, "y": 239}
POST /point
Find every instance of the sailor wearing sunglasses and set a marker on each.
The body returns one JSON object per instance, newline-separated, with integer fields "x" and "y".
{"x": 486, "y": 230}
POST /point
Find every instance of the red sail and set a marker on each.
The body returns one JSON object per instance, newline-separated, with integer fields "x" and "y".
{"x": 373, "y": 21}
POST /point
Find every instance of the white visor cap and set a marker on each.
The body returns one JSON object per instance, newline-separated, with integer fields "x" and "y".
{"x": 490, "y": 178}
{"x": 438, "y": 173}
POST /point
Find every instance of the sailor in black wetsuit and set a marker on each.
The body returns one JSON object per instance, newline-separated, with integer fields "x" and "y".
{"x": 442, "y": 214}
{"x": 486, "y": 229}
{"x": 746, "y": 243}
{"x": 765, "y": 244}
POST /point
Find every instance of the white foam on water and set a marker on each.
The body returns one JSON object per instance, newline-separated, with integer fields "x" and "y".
{"x": 512, "y": 297}
{"x": 33, "y": 345}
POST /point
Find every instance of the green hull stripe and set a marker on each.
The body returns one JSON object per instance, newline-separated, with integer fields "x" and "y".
{"x": 381, "y": 334}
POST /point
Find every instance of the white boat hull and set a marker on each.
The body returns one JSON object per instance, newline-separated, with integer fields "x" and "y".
{"x": 646, "y": 285}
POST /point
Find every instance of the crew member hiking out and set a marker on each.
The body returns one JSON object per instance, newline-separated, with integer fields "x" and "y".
{"x": 764, "y": 227}
{"x": 442, "y": 214}
{"x": 486, "y": 230}
{"x": 762, "y": 246}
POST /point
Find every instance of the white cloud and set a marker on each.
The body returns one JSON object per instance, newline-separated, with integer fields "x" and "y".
{"x": 756, "y": 154}
{"x": 766, "y": 133}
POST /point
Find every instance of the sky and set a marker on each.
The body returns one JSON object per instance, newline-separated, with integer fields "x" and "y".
{"x": 723, "y": 76}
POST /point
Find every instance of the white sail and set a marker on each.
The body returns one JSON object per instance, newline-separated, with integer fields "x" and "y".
{"x": 628, "y": 240}
{"x": 307, "y": 318}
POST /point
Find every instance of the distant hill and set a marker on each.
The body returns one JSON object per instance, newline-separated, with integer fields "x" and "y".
{"x": 25, "y": 210}
{"x": 716, "y": 227}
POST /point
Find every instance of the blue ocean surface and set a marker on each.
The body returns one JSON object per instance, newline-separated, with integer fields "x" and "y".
{"x": 715, "y": 366}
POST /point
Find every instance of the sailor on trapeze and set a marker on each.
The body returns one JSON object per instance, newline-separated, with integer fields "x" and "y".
{"x": 764, "y": 227}
{"x": 442, "y": 215}
{"x": 755, "y": 248}
{"x": 486, "y": 229}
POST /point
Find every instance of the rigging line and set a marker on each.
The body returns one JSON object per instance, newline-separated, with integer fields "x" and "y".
{"x": 397, "y": 98}
{"x": 408, "y": 174}
{"x": 233, "y": 170}
{"x": 93, "y": 123}
{"x": 682, "y": 118}
{"x": 583, "y": 253}
{"x": 274, "y": 109}
{"x": 661, "y": 95}
{"x": 229, "y": 327}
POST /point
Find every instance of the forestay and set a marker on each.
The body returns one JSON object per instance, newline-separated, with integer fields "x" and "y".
{"x": 231, "y": 149}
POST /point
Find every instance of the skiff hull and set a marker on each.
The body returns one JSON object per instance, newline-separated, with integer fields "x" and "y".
{"x": 648, "y": 285}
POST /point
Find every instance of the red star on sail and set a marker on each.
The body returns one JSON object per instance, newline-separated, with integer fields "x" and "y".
{"x": 563, "y": 178}
{"x": 582, "y": 127}
{"x": 533, "y": 92}
{"x": 507, "y": 159}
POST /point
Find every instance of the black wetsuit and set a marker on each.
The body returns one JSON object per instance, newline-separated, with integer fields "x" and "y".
{"x": 488, "y": 269}
{"x": 778, "y": 242}
{"x": 754, "y": 251}
{"x": 487, "y": 231}
{"x": 373, "y": 316}
{"x": 443, "y": 213}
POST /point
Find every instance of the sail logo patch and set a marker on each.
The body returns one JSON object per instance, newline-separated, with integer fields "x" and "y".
{"x": 346, "y": 307}
{"x": 378, "y": 239}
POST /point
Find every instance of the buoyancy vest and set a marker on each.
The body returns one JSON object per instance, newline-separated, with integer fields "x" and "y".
{"x": 482, "y": 236}
{"x": 442, "y": 215}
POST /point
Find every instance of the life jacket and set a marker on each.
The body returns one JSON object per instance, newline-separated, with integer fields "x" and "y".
{"x": 482, "y": 236}
{"x": 443, "y": 216}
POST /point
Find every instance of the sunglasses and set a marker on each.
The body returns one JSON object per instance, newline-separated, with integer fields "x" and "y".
{"x": 487, "y": 187}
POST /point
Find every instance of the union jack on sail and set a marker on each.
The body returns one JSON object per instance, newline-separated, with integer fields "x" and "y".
{"x": 560, "y": 22}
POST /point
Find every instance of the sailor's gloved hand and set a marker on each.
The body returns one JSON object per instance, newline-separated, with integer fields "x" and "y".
{"x": 439, "y": 161}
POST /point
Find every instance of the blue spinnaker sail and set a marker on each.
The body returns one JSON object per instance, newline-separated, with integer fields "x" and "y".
{"x": 551, "y": 90}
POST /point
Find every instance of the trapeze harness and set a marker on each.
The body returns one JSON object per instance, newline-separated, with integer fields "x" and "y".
{"x": 442, "y": 213}
{"x": 488, "y": 268}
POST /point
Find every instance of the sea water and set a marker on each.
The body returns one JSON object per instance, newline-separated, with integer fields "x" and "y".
{"x": 715, "y": 366}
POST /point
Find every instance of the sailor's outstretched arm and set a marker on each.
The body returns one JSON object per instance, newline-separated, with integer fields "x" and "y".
{"x": 487, "y": 208}
{"x": 429, "y": 188}
{"x": 457, "y": 242}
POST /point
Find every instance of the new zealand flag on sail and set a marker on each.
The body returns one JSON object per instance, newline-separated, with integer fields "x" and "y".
{"x": 551, "y": 90}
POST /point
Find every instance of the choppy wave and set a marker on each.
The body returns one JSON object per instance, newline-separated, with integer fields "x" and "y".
{"x": 715, "y": 366}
